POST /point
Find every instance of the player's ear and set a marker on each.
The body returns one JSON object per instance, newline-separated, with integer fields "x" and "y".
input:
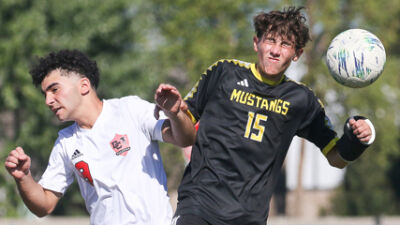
{"x": 255, "y": 42}
{"x": 85, "y": 86}
{"x": 298, "y": 54}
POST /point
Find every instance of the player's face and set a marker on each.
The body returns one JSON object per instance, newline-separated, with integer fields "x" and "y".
{"x": 275, "y": 54}
{"x": 62, "y": 94}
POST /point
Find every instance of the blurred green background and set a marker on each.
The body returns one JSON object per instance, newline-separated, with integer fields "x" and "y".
{"x": 141, "y": 43}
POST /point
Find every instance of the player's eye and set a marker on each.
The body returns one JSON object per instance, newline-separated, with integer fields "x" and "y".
{"x": 287, "y": 44}
{"x": 269, "y": 40}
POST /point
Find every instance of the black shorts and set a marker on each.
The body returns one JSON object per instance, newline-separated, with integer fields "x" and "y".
{"x": 189, "y": 219}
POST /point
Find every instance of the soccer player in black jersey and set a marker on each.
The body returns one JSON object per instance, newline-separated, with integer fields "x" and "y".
{"x": 249, "y": 114}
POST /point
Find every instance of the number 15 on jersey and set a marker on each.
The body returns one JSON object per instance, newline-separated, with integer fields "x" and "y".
{"x": 254, "y": 128}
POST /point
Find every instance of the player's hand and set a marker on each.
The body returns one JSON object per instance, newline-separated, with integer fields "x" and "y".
{"x": 168, "y": 99}
{"x": 361, "y": 129}
{"x": 18, "y": 163}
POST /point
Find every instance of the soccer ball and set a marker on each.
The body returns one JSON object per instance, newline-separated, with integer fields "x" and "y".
{"x": 355, "y": 58}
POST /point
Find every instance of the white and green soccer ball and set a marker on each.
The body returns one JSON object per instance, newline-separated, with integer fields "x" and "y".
{"x": 356, "y": 58}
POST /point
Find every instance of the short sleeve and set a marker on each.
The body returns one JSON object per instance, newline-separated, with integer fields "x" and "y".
{"x": 320, "y": 131}
{"x": 316, "y": 126}
{"x": 59, "y": 172}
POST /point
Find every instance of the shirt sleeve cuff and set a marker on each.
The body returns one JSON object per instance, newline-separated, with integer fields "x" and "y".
{"x": 158, "y": 130}
{"x": 373, "y": 133}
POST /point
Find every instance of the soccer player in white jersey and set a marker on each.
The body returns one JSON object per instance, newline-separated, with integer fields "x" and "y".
{"x": 111, "y": 149}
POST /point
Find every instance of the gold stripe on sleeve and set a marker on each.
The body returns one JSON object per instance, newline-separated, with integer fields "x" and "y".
{"x": 194, "y": 121}
{"x": 329, "y": 146}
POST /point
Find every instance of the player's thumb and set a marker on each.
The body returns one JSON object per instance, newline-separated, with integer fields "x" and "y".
{"x": 20, "y": 150}
{"x": 25, "y": 164}
{"x": 184, "y": 106}
{"x": 21, "y": 154}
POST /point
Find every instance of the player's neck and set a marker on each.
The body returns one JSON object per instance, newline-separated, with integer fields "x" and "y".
{"x": 90, "y": 112}
{"x": 273, "y": 78}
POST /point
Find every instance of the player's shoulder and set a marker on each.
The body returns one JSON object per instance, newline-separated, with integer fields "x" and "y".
{"x": 299, "y": 85}
{"x": 129, "y": 98}
{"x": 302, "y": 90}
{"x": 230, "y": 63}
{"x": 126, "y": 101}
{"x": 67, "y": 132}
{"x": 129, "y": 104}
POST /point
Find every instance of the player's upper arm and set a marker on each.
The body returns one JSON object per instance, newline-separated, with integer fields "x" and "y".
{"x": 182, "y": 133}
{"x": 166, "y": 132}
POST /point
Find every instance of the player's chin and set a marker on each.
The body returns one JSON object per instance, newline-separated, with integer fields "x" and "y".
{"x": 62, "y": 118}
{"x": 274, "y": 73}
{"x": 61, "y": 115}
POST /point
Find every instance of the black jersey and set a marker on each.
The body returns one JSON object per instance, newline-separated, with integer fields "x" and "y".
{"x": 246, "y": 126}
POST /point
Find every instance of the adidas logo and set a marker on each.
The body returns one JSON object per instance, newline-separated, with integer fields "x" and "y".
{"x": 243, "y": 83}
{"x": 76, "y": 154}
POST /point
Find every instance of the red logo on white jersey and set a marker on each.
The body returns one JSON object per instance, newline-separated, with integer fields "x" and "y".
{"x": 120, "y": 144}
{"x": 84, "y": 171}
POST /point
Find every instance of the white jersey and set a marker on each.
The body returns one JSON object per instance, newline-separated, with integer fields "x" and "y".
{"x": 117, "y": 164}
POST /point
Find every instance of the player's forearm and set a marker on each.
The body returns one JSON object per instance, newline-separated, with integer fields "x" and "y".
{"x": 182, "y": 131}
{"x": 34, "y": 196}
{"x": 358, "y": 135}
{"x": 335, "y": 160}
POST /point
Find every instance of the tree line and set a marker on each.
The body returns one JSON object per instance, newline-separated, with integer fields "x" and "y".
{"x": 141, "y": 43}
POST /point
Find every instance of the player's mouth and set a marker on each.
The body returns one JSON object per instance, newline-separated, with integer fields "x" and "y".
{"x": 272, "y": 59}
{"x": 55, "y": 110}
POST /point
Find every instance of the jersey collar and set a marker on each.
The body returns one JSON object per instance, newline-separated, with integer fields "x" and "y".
{"x": 263, "y": 79}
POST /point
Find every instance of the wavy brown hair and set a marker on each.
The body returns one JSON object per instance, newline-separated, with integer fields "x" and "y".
{"x": 289, "y": 23}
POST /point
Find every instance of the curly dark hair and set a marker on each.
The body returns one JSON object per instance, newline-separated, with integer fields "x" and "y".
{"x": 289, "y": 22}
{"x": 69, "y": 60}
